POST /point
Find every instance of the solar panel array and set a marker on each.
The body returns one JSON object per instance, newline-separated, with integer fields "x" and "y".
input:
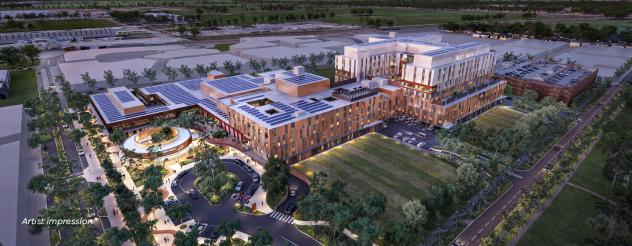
{"x": 234, "y": 84}
{"x": 304, "y": 79}
{"x": 450, "y": 49}
{"x": 312, "y": 107}
{"x": 287, "y": 115}
{"x": 177, "y": 95}
{"x": 193, "y": 84}
{"x": 124, "y": 96}
{"x": 111, "y": 114}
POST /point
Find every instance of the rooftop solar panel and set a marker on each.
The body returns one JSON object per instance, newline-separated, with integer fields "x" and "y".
{"x": 193, "y": 84}
{"x": 312, "y": 107}
{"x": 304, "y": 79}
{"x": 233, "y": 84}
{"x": 275, "y": 119}
{"x": 124, "y": 96}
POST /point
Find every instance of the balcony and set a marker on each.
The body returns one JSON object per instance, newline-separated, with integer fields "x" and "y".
{"x": 474, "y": 90}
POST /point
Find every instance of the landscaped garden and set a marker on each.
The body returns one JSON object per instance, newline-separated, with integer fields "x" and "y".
{"x": 22, "y": 88}
{"x": 498, "y": 117}
{"x": 377, "y": 164}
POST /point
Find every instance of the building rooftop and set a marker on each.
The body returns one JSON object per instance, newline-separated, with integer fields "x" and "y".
{"x": 552, "y": 73}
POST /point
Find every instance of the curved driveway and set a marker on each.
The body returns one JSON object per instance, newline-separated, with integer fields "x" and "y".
{"x": 202, "y": 211}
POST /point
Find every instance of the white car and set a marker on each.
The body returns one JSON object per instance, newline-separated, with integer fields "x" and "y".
{"x": 420, "y": 144}
{"x": 405, "y": 139}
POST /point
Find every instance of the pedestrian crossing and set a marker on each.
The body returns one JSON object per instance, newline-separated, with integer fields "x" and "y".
{"x": 281, "y": 217}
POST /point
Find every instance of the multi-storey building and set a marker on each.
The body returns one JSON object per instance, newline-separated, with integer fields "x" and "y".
{"x": 562, "y": 82}
{"x": 290, "y": 115}
{"x": 442, "y": 83}
{"x": 293, "y": 115}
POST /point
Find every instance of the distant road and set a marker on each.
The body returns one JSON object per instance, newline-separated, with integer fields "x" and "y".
{"x": 491, "y": 217}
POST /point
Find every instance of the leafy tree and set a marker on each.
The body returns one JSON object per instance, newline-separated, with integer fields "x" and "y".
{"x": 152, "y": 200}
{"x": 274, "y": 179}
{"x": 201, "y": 70}
{"x": 89, "y": 81}
{"x": 228, "y": 228}
{"x": 83, "y": 235}
{"x": 31, "y": 52}
{"x": 76, "y": 135}
{"x": 131, "y": 75}
{"x": 117, "y": 136}
{"x": 179, "y": 211}
{"x": 261, "y": 238}
{"x": 398, "y": 233}
{"x": 371, "y": 205}
{"x": 187, "y": 239}
{"x": 109, "y": 77}
{"x": 212, "y": 66}
{"x": 195, "y": 32}
{"x": 366, "y": 229}
{"x": 170, "y": 72}
{"x": 467, "y": 177}
{"x": 415, "y": 213}
{"x": 186, "y": 70}
{"x": 11, "y": 55}
{"x": 114, "y": 236}
{"x": 182, "y": 29}
{"x": 95, "y": 193}
{"x": 150, "y": 74}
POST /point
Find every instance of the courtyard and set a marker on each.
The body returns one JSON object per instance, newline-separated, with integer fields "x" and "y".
{"x": 375, "y": 163}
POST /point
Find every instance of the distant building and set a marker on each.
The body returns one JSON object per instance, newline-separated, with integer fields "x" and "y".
{"x": 4, "y": 84}
{"x": 562, "y": 82}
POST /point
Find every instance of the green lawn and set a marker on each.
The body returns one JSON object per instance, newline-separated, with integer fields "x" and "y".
{"x": 402, "y": 16}
{"x": 23, "y": 87}
{"x": 564, "y": 222}
{"x": 222, "y": 47}
{"x": 498, "y": 117}
{"x": 61, "y": 25}
{"x": 376, "y": 164}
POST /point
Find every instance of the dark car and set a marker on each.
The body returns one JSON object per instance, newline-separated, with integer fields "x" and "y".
{"x": 291, "y": 209}
{"x": 212, "y": 232}
{"x": 557, "y": 147}
{"x": 181, "y": 174}
{"x": 194, "y": 194}
{"x": 248, "y": 168}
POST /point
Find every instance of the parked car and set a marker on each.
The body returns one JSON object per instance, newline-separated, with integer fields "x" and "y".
{"x": 421, "y": 144}
{"x": 421, "y": 134}
{"x": 292, "y": 192}
{"x": 80, "y": 152}
{"x": 174, "y": 183}
{"x": 239, "y": 186}
{"x": 255, "y": 178}
{"x": 194, "y": 194}
{"x": 201, "y": 227}
{"x": 557, "y": 147}
{"x": 291, "y": 209}
{"x": 213, "y": 232}
{"x": 405, "y": 139}
{"x": 248, "y": 168}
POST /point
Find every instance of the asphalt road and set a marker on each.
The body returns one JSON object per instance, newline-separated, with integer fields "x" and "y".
{"x": 492, "y": 216}
{"x": 202, "y": 211}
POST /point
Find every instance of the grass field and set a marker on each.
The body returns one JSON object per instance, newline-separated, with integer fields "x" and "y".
{"x": 23, "y": 87}
{"x": 222, "y": 47}
{"x": 498, "y": 117}
{"x": 564, "y": 222}
{"x": 377, "y": 164}
{"x": 61, "y": 25}
{"x": 327, "y": 72}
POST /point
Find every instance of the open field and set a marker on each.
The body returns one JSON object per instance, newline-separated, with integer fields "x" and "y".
{"x": 327, "y": 72}
{"x": 222, "y": 47}
{"x": 61, "y": 25}
{"x": 23, "y": 87}
{"x": 498, "y": 117}
{"x": 376, "y": 164}
{"x": 564, "y": 222}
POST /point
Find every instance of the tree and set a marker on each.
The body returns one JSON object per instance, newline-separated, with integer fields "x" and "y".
{"x": 195, "y": 32}
{"x": 11, "y": 55}
{"x": 227, "y": 228}
{"x": 187, "y": 239}
{"x": 109, "y": 77}
{"x": 117, "y": 136}
{"x": 114, "y": 236}
{"x": 178, "y": 211}
{"x": 182, "y": 29}
{"x": 207, "y": 161}
{"x": 398, "y": 233}
{"x": 261, "y": 238}
{"x": 83, "y": 235}
{"x": 152, "y": 200}
{"x": 371, "y": 205}
{"x": 415, "y": 213}
{"x": 212, "y": 66}
{"x": 95, "y": 193}
{"x": 186, "y": 71}
{"x": 131, "y": 75}
{"x": 170, "y": 72}
{"x": 201, "y": 70}
{"x": 366, "y": 229}
{"x": 274, "y": 179}
{"x": 31, "y": 52}
{"x": 150, "y": 74}
{"x": 467, "y": 177}
{"x": 89, "y": 81}
{"x": 76, "y": 135}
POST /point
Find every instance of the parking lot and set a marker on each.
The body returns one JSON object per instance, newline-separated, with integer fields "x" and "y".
{"x": 412, "y": 132}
